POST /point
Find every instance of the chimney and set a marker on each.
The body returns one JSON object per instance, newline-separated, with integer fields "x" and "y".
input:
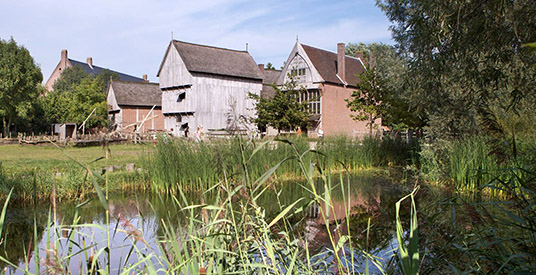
{"x": 341, "y": 62}
{"x": 372, "y": 60}
{"x": 359, "y": 54}
{"x": 261, "y": 68}
{"x": 145, "y": 78}
{"x": 64, "y": 57}
{"x": 89, "y": 61}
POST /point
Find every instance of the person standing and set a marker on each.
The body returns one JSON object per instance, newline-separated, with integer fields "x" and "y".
{"x": 198, "y": 134}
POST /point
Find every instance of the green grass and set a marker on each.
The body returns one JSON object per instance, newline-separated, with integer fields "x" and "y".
{"x": 227, "y": 230}
{"x": 184, "y": 163}
{"x": 18, "y": 158}
{"x": 49, "y": 165}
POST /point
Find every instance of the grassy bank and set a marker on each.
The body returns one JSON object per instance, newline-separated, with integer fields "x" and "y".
{"x": 225, "y": 229}
{"x": 182, "y": 163}
{"x": 19, "y": 158}
{"x": 23, "y": 168}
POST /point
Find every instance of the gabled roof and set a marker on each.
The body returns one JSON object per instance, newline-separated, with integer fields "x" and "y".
{"x": 137, "y": 93}
{"x": 270, "y": 78}
{"x": 325, "y": 63}
{"x": 98, "y": 70}
{"x": 218, "y": 61}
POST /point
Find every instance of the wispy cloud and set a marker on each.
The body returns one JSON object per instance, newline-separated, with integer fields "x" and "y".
{"x": 131, "y": 35}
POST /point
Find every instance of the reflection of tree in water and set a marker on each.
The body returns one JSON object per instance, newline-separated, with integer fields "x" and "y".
{"x": 381, "y": 229}
{"x": 17, "y": 235}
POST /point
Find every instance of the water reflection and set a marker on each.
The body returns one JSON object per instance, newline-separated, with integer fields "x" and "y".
{"x": 136, "y": 219}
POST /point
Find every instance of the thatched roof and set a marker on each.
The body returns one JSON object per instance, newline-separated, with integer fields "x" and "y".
{"x": 270, "y": 78}
{"x": 218, "y": 61}
{"x": 325, "y": 63}
{"x": 137, "y": 93}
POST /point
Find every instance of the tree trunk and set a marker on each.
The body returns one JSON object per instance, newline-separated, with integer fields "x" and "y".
{"x": 6, "y": 125}
{"x": 4, "y": 131}
{"x": 370, "y": 125}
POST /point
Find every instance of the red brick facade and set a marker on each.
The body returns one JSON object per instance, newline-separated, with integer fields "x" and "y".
{"x": 336, "y": 119}
{"x": 132, "y": 115}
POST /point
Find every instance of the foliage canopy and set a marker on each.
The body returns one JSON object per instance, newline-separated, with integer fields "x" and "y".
{"x": 466, "y": 63}
{"x": 284, "y": 111}
{"x": 20, "y": 78}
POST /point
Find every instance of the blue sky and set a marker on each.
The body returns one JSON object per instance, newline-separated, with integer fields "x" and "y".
{"x": 131, "y": 36}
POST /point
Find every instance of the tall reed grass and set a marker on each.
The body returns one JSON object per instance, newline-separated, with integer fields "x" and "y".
{"x": 70, "y": 185}
{"x": 225, "y": 230}
{"x": 189, "y": 164}
{"x": 469, "y": 164}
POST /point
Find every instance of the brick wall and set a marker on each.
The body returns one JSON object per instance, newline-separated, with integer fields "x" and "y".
{"x": 136, "y": 114}
{"x": 336, "y": 118}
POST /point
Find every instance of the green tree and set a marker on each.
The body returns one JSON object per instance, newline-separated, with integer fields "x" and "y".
{"x": 465, "y": 60}
{"x": 75, "y": 95}
{"x": 387, "y": 70}
{"x": 283, "y": 111}
{"x": 69, "y": 78}
{"x": 269, "y": 66}
{"x": 352, "y": 49}
{"x": 87, "y": 96}
{"x": 368, "y": 101}
{"x": 20, "y": 78}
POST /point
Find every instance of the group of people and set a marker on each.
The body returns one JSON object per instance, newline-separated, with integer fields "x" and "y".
{"x": 200, "y": 133}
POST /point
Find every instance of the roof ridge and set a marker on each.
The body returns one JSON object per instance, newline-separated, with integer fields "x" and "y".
{"x": 93, "y": 67}
{"x": 133, "y": 82}
{"x": 328, "y": 51}
{"x": 208, "y": 46}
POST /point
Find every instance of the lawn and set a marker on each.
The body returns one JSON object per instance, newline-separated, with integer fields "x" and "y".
{"x": 19, "y": 158}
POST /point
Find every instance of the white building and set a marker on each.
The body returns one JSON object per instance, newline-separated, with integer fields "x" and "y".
{"x": 208, "y": 86}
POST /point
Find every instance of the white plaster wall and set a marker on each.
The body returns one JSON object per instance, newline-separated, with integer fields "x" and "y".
{"x": 298, "y": 62}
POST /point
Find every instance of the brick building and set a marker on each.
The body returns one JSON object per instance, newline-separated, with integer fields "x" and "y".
{"x": 130, "y": 102}
{"x": 66, "y": 62}
{"x": 329, "y": 78}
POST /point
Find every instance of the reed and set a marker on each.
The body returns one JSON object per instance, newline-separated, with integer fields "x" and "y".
{"x": 187, "y": 164}
{"x": 225, "y": 231}
{"x": 70, "y": 185}
{"x": 472, "y": 163}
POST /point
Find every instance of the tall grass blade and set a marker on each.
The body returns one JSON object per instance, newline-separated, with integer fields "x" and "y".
{"x": 4, "y": 210}
{"x": 283, "y": 213}
{"x": 408, "y": 254}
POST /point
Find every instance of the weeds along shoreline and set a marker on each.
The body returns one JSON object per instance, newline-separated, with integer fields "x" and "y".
{"x": 227, "y": 231}
{"x": 190, "y": 164}
{"x": 485, "y": 225}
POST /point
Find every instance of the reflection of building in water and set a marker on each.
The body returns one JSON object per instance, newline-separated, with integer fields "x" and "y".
{"x": 369, "y": 201}
{"x": 313, "y": 210}
{"x": 360, "y": 207}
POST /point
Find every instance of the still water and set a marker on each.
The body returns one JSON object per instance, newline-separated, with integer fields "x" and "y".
{"x": 135, "y": 220}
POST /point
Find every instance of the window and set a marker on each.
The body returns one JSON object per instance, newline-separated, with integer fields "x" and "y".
{"x": 297, "y": 72}
{"x": 313, "y": 97}
{"x": 181, "y": 97}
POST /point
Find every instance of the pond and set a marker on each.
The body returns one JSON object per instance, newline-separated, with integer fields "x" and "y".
{"x": 135, "y": 223}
